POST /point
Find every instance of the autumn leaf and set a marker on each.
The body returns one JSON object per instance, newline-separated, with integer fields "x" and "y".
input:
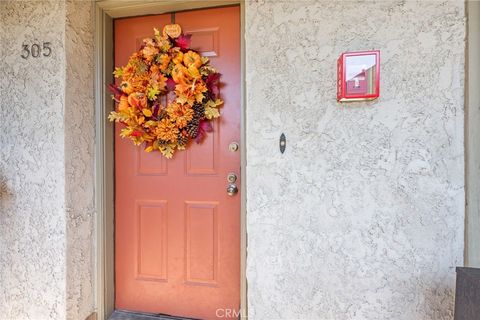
{"x": 126, "y": 132}
{"x": 212, "y": 83}
{"x": 152, "y": 93}
{"x": 206, "y": 70}
{"x": 211, "y": 113}
{"x": 181, "y": 99}
{"x": 170, "y": 84}
{"x": 149, "y": 147}
{"x": 118, "y": 117}
{"x": 118, "y": 72}
{"x": 133, "y": 100}
{"x": 203, "y": 127}
{"x": 136, "y": 133}
{"x": 167, "y": 150}
{"x": 150, "y": 123}
{"x": 183, "y": 42}
{"x": 136, "y": 141}
{"x": 199, "y": 97}
{"x": 214, "y": 104}
{"x": 112, "y": 116}
{"x": 147, "y": 112}
{"x": 117, "y": 93}
{"x": 211, "y": 110}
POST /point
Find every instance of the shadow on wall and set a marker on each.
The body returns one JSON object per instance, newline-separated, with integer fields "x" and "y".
{"x": 439, "y": 299}
{"x": 5, "y": 193}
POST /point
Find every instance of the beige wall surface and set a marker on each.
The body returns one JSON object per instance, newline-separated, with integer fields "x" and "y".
{"x": 363, "y": 216}
{"x": 46, "y": 161}
{"x": 79, "y": 121}
{"x": 32, "y": 162}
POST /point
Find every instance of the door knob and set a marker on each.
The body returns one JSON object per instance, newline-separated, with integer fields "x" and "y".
{"x": 232, "y": 190}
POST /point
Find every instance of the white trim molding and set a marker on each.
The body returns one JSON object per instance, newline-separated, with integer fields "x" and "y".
{"x": 105, "y": 12}
{"x": 119, "y": 9}
{"x": 472, "y": 134}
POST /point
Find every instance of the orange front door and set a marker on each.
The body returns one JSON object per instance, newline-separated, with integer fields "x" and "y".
{"x": 177, "y": 236}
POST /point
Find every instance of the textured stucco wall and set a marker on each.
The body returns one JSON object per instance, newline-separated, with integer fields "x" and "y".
{"x": 46, "y": 161}
{"x": 79, "y": 124}
{"x": 362, "y": 217}
{"x": 32, "y": 209}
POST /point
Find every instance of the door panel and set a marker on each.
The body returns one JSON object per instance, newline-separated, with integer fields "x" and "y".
{"x": 151, "y": 240}
{"x": 177, "y": 236}
{"x": 201, "y": 240}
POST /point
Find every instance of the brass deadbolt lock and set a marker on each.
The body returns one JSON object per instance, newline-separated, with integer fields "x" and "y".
{"x": 233, "y": 146}
{"x": 231, "y": 177}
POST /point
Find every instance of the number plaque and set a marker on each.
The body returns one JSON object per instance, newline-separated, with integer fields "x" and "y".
{"x": 35, "y": 50}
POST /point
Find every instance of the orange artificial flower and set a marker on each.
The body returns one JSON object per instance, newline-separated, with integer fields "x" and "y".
{"x": 184, "y": 86}
{"x": 164, "y": 61}
{"x": 166, "y": 131}
{"x": 137, "y": 100}
{"x": 123, "y": 103}
{"x": 199, "y": 90}
{"x": 180, "y": 114}
{"x": 149, "y": 50}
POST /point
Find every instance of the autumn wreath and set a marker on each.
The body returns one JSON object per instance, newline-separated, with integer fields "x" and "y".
{"x": 167, "y": 94}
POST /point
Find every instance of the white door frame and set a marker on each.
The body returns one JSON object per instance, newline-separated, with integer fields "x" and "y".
{"x": 105, "y": 12}
{"x": 472, "y": 132}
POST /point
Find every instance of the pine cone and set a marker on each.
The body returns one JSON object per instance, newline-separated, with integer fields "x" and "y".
{"x": 182, "y": 140}
{"x": 162, "y": 143}
{"x": 199, "y": 111}
{"x": 192, "y": 128}
{"x": 208, "y": 96}
{"x": 196, "y": 118}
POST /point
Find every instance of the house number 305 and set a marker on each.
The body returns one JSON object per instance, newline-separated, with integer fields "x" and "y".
{"x": 36, "y": 50}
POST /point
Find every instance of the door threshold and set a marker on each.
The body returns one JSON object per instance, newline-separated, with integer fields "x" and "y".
{"x": 127, "y": 315}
